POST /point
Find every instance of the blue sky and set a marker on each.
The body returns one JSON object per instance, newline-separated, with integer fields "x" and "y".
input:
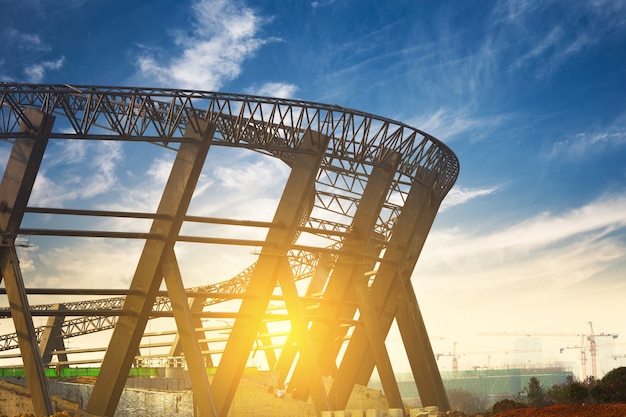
{"x": 531, "y": 96}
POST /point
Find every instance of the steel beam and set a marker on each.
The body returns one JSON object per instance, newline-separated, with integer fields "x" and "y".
{"x": 376, "y": 339}
{"x": 353, "y": 262}
{"x": 357, "y": 364}
{"x": 299, "y": 326}
{"x": 52, "y": 339}
{"x": 290, "y": 349}
{"x": 295, "y": 201}
{"x": 195, "y": 307}
{"x": 148, "y": 276}
{"x": 15, "y": 189}
{"x": 265, "y": 340}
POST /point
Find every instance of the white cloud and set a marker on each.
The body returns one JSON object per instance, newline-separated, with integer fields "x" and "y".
{"x": 545, "y": 49}
{"x": 562, "y": 249}
{"x": 446, "y": 124}
{"x": 160, "y": 168}
{"x": 550, "y": 41}
{"x": 224, "y": 35}
{"x": 79, "y": 177}
{"x": 73, "y": 152}
{"x": 317, "y": 4}
{"x": 461, "y": 195}
{"x": 36, "y": 72}
{"x": 273, "y": 89}
{"x": 100, "y": 261}
{"x": 5, "y": 151}
{"x": 27, "y": 41}
{"x": 595, "y": 141}
{"x": 543, "y": 273}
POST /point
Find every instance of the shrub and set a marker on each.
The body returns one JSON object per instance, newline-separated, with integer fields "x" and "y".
{"x": 506, "y": 405}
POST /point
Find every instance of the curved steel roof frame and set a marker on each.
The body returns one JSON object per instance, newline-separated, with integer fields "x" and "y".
{"x": 368, "y": 187}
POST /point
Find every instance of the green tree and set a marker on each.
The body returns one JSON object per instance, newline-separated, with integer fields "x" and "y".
{"x": 534, "y": 395}
{"x": 611, "y": 388}
{"x": 571, "y": 392}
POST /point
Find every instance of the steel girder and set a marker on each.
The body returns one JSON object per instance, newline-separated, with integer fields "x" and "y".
{"x": 303, "y": 265}
{"x": 337, "y": 157}
{"x": 157, "y": 255}
{"x": 15, "y": 188}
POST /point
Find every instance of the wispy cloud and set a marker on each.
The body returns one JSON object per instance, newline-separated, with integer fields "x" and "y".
{"x": 587, "y": 144}
{"x": 224, "y": 34}
{"x": 26, "y": 41}
{"x": 550, "y": 41}
{"x": 80, "y": 177}
{"x": 35, "y": 73}
{"x": 5, "y": 151}
{"x": 461, "y": 195}
{"x": 448, "y": 124}
{"x": 545, "y": 49}
{"x": 317, "y": 4}
{"x": 274, "y": 89}
{"x": 561, "y": 249}
{"x": 100, "y": 261}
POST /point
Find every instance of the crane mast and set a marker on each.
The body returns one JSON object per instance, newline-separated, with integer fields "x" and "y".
{"x": 592, "y": 350}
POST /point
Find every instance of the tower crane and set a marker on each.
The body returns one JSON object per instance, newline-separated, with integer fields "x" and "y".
{"x": 455, "y": 362}
{"x": 592, "y": 346}
{"x": 590, "y": 337}
{"x": 583, "y": 356}
{"x": 455, "y": 355}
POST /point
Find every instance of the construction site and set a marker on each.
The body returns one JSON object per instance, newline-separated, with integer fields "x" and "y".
{"x": 325, "y": 274}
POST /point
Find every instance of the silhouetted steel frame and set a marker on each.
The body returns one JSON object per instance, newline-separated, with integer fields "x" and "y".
{"x": 350, "y": 265}
{"x": 15, "y": 189}
{"x": 157, "y": 255}
{"x": 348, "y": 147}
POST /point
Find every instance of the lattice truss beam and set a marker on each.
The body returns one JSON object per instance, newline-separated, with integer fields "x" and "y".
{"x": 334, "y": 267}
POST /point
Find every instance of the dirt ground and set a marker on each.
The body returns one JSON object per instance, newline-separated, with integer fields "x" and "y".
{"x": 591, "y": 410}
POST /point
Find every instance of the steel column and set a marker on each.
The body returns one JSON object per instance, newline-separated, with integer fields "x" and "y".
{"x": 299, "y": 325}
{"x": 400, "y": 258}
{"x": 52, "y": 338}
{"x": 352, "y": 263}
{"x": 15, "y": 189}
{"x": 266, "y": 341}
{"x": 376, "y": 339}
{"x": 148, "y": 275}
{"x": 411, "y": 324}
{"x": 316, "y": 286}
{"x": 294, "y": 202}
{"x": 358, "y": 364}
{"x": 203, "y": 399}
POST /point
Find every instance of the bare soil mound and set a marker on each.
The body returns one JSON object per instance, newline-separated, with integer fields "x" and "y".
{"x": 561, "y": 410}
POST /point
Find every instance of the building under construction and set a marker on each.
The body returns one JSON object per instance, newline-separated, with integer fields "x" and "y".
{"x": 489, "y": 386}
{"x": 331, "y": 269}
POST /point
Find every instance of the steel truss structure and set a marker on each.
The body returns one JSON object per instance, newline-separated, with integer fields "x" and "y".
{"x": 355, "y": 210}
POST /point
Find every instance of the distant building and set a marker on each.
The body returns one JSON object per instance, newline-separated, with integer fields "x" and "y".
{"x": 491, "y": 385}
{"x": 527, "y": 351}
